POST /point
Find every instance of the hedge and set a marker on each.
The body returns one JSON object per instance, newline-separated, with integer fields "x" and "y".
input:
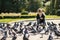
{"x": 17, "y": 17}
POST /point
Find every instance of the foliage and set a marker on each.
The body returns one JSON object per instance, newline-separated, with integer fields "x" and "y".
{"x": 19, "y": 5}
{"x": 58, "y": 12}
{"x": 57, "y": 7}
{"x": 47, "y": 5}
{"x": 34, "y": 5}
{"x": 24, "y": 13}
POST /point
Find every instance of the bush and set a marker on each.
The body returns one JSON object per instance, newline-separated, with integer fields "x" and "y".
{"x": 28, "y": 16}
{"x": 53, "y": 12}
{"x": 58, "y": 12}
{"x": 24, "y": 13}
{"x": 11, "y": 17}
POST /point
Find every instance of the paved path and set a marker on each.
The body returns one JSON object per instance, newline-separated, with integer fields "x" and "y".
{"x": 37, "y": 37}
{"x": 34, "y": 37}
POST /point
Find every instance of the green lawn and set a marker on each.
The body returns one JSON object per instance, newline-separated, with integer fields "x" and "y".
{"x": 13, "y": 20}
{"x": 18, "y": 19}
{"x": 52, "y": 16}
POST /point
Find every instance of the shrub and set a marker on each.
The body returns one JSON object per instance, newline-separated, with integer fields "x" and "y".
{"x": 58, "y": 12}
{"x": 11, "y": 17}
{"x": 24, "y": 13}
{"x": 28, "y": 16}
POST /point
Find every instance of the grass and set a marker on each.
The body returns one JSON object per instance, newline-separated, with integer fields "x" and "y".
{"x": 19, "y": 19}
{"x": 52, "y": 16}
{"x": 13, "y": 20}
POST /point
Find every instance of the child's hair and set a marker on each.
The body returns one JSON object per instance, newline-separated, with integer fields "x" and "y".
{"x": 39, "y": 10}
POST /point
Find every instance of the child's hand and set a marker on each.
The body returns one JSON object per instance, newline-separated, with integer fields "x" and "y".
{"x": 41, "y": 18}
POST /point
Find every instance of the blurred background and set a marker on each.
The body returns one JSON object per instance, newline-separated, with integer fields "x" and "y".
{"x": 28, "y": 8}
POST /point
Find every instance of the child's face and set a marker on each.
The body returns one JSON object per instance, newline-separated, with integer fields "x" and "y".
{"x": 40, "y": 10}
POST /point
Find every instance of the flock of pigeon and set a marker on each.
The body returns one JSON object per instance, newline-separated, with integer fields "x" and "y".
{"x": 10, "y": 30}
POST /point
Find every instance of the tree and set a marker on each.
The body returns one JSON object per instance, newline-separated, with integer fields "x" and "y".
{"x": 52, "y": 7}
{"x": 0, "y": 6}
{"x": 57, "y": 7}
{"x": 47, "y": 6}
{"x": 34, "y": 5}
{"x": 20, "y": 5}
{"x": 57, "y": 4}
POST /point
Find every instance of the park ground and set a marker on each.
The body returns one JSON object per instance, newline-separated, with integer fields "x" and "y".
{"x": 7, "y": 20}
{"x": 37, "y": 37}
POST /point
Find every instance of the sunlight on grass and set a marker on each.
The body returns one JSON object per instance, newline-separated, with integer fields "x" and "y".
{"x": 19, "y": 19}
{"x": 52, "y": 16}
{"x": 13, "y": 20}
